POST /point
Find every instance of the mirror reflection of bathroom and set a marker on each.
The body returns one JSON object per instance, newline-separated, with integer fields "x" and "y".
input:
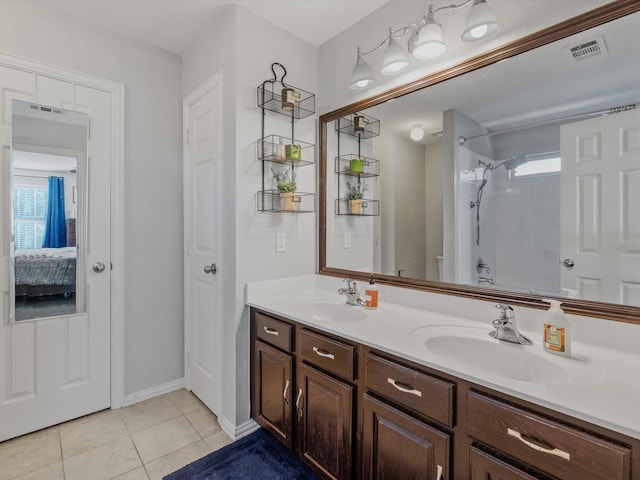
{"x": 48, "y": 157}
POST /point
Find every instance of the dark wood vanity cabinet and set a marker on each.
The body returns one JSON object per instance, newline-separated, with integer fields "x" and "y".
{"x": 398, "y": 446}
{"x": 352, "y": 412}
{"x": 324, "y": 410}
{"x": 272, "y": 372}
{"x": 487, "y": 467}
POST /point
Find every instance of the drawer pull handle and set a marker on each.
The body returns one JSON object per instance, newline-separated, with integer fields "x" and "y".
{"x": 403, "y": 387}
{"x": 286, "y": 387}
{"x": 551, "y": 451}
{"x": 439, "y": 473}
{"x": 271, "y": 331}
{"x": 298, "y": 406}
{"x": 324, "y": 353}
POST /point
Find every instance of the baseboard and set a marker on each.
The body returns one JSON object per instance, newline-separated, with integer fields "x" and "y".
{"x": 153, "y": 392}
{"x": 236, "y": 432}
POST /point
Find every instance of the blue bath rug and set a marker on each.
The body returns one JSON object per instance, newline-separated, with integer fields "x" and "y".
{"x": 258, "y": 455}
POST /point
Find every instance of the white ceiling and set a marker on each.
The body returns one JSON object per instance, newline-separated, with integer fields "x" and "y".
{"x": 173, "y": 24}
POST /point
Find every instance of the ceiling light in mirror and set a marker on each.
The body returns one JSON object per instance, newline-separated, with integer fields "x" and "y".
{"x": 417, "y": 133}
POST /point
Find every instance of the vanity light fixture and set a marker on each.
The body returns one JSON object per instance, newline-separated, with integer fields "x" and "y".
{"x": 425, "y": 42}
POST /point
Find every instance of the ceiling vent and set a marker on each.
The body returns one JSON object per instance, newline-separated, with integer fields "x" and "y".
{"x": 588, "y": 49}
{"x": 437, "y": 133}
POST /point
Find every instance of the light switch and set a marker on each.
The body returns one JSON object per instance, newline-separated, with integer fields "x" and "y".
{"x": 347, "y": 240}
{"x": 281, "y": 242}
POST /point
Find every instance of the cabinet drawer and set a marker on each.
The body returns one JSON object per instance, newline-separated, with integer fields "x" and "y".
{"x": 275, "y": 332}
{"x": 558, "y": 449}
{"x": 328, "y": 354}
{"x": 415, "y": 390}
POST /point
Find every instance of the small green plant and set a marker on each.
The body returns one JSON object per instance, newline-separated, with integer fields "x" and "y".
{"x": 356, "y": 191}
{"x": 286, "y": 186}
{"x": 283, "y": 182}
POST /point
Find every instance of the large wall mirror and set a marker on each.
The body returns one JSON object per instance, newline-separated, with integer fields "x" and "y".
{"x": 526, "y": 184}
{"x": 48, "y": 152}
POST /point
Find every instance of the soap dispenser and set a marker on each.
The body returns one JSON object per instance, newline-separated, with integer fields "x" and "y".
{"x": 557, "y": 330}
{"x": 371, "y": 295}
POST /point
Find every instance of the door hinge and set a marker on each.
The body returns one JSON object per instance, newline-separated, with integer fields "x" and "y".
{"x": 187, "y": 137}
{"x": 189, "y": 359}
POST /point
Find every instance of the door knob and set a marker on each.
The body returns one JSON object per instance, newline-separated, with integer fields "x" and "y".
{"x": 98, "y": 267}
{"x": 568, "y": 262}
{"x": 212, "y": 269}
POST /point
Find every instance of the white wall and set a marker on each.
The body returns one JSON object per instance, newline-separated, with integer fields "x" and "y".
{"x": 360, "y": 229}
{"x": 433, "y": 207}
{"x": 153, "y": 172}
{"x": 251, "y": 46}
{"x": 402, "y": 166}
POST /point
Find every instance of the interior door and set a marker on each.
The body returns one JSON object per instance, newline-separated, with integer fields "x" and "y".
{"x": 57, "y": 368}
{"x": 600, "y": 208}
{"x": 203, "y": 272}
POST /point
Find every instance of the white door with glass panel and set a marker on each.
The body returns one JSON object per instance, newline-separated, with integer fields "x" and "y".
{"x": 55, "y": 239}
{"x": 600, "y": 212}
{"x": 203, "y": 275}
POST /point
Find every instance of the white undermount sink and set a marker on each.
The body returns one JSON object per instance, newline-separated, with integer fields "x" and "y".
{"x": 472, "y": 349}
{"x": 334, "y": 312}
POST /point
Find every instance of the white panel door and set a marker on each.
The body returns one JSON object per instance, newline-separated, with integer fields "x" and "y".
{"x": 58, "y": 368}
{"x": 203, "y": 274}
{"x": 600, "y": 211}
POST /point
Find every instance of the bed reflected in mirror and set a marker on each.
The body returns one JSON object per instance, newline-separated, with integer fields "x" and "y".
{"x": 48, "y": 160}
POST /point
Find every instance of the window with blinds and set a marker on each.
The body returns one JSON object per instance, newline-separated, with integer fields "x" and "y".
{"x": 29, "y": 213}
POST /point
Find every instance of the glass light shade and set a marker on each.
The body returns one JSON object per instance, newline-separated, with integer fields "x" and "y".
{"x": 394, "y": 59}
{"x": 416, "y": 134}
{"x": 430, "y": 43}
{"x": 361, "y": 76}
{"x": 481, "y": 22}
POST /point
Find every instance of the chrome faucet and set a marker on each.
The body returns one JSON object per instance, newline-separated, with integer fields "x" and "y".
{"x": 351, "y": 292}
{"x": 506, "y": 328}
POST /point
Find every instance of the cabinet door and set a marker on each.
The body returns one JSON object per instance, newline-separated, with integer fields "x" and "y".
{"x": 486, "y": 467}
{"x": 397, "y": 446}
{"x": 324, "y": 407}
{"x": 272, "y": 391}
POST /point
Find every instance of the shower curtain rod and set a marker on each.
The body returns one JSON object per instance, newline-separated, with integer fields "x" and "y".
{"x": 632, "y": 106}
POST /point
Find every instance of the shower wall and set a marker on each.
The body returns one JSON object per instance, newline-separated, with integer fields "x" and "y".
{"x": 525, "y": 216}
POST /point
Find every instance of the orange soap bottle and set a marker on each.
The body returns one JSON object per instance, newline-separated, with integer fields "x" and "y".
{"x": 371, "y": 294}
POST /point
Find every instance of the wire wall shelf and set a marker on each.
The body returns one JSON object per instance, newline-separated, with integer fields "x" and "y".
{"x": 358, "y": 125}
{"x": 270, "y": 97}
{"x": 358, "y": 208}
{"x": 278, "y": 149}
{"x": 285, "y": 202}
{"x": 357, "y": 166}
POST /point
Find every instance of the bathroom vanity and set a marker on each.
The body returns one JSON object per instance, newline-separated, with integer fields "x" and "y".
{"x": 385, "y": 394}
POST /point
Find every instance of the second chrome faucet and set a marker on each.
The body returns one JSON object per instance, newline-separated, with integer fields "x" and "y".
{"x": 351, "y": 292}
{"x": 505, "y": 326}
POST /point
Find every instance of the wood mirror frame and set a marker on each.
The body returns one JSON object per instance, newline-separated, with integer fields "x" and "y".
{"x": 590, "y": 19}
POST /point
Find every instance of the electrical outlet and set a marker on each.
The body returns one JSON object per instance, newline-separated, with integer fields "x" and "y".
{"x": 281, "y": 242}
{"x": 347, "y": 240}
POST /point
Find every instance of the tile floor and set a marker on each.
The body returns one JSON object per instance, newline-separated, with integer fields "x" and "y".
{"x": 142, "y": 442}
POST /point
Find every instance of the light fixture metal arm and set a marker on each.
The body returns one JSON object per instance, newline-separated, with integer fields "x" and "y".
{"x": 451, "y": 7}
{"x": 396, "y": 35}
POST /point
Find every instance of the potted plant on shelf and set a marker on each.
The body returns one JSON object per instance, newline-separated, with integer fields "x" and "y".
{"x": 354, "y": 196}
{"x": 286, "y": 189}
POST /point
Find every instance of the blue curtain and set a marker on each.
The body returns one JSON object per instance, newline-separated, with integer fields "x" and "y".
{"x": 55, "y": 233}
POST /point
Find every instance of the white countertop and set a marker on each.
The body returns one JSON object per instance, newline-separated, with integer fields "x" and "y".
{"x": 604, "y": 384}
